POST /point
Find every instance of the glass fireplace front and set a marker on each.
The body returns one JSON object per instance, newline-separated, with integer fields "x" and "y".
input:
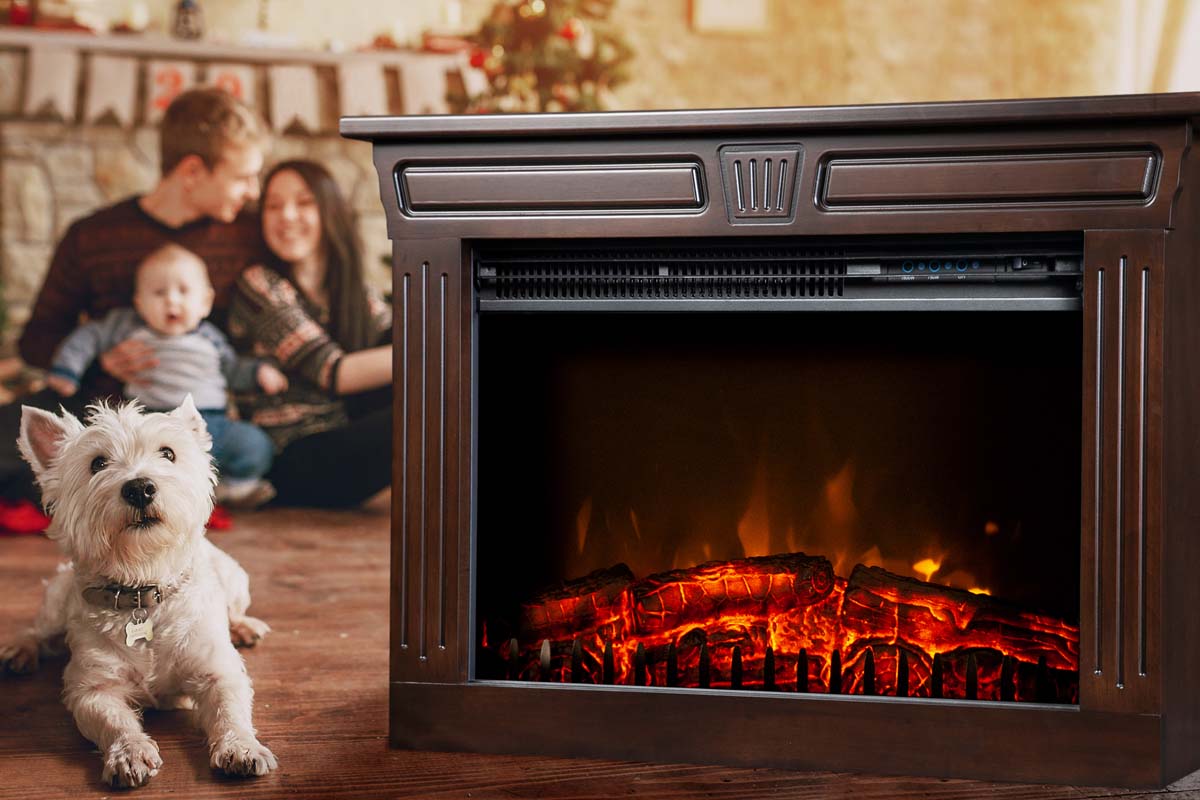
{"x": 860, "y": 503}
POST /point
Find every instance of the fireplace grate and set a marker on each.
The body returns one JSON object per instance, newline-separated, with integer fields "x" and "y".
{"x": 675, "y": 273}
{"x": 956, "y": 676}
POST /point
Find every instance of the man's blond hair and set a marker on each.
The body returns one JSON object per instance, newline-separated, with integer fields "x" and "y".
{"x": 206, "y": 122}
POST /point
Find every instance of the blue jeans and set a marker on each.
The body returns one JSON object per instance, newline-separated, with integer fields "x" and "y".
{"x": 240, "y": 449}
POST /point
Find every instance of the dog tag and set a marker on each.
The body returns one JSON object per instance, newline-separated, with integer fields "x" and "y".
{"x": 139, "y": 627}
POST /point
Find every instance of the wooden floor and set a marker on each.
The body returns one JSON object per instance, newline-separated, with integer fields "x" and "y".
{"x": 320, "y": 579}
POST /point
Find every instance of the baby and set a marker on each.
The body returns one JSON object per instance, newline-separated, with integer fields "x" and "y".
{"x": 172, "y": 296}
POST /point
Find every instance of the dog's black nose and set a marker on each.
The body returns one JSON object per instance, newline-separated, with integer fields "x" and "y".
{"x": 139, "y": 492}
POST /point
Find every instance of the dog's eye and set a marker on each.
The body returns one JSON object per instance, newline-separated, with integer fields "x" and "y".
{"x": 99, "y": 463}
{"x": 167, "y": 453}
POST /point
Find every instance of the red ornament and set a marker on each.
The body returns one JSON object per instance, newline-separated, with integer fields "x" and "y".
{"x": 569, "y": 30}
{"x": 478, "y": 58}
{"x": 20, "y": 13}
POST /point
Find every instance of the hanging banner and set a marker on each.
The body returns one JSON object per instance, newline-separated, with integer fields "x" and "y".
{"x": 166, "y": 80}
{"x": 53, "y": 75}
{"x": 294, "y": 97}
{"x": 362, "y": 89}
{"x": 240, "y": 80}
{"x": 10, "y": 82}
{"x": 423, "y": 83}
{"x": 111, "y": 89}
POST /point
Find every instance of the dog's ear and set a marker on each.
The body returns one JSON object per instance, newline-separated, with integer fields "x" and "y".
{"x": 191, "y": 418}
{"x": 42, "y": 436}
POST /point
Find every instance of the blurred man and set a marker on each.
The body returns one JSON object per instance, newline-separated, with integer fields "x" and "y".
{"x": 212, "y": 151}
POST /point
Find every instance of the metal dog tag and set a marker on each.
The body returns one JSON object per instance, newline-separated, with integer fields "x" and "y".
{"x": 139, "y": 627}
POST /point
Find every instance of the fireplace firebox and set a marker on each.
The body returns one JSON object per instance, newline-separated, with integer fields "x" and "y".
{"x": 838, "y": 438}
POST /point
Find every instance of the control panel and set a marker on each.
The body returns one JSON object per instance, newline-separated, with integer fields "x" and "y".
{"x": 978, "y": 269}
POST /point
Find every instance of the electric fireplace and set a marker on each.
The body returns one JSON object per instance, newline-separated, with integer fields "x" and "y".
{"x": 835, "y": 438}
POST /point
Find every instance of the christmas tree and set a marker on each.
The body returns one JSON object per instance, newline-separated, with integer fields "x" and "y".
{"x": 546, "y": 55}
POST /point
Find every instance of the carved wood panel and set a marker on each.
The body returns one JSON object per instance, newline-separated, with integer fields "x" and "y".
{"x": 430, "y": 462}
{"x": 1120, "y": 636}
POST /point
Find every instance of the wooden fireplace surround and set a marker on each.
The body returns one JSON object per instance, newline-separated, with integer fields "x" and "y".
{"x": 1121, "y": 170}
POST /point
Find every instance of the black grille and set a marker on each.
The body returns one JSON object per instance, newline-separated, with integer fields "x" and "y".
{"x": 665, "y": 274}
{"x": 895, "y": 273}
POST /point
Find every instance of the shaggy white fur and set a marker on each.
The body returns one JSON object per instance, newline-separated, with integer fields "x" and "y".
{"x": 190, "y": 661}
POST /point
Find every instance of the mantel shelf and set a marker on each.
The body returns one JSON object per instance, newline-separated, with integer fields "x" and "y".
{"x": 164, "y": 46}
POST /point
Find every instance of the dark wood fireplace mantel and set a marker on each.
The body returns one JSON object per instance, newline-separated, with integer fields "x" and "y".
{"x": 1119, "y": 173}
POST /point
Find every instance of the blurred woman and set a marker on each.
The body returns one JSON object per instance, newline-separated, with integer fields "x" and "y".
{"x": 310, "y": 310}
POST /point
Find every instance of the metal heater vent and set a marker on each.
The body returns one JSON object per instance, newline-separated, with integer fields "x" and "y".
{"x": 674, "y": 273}
{"x": 859, "y": 273}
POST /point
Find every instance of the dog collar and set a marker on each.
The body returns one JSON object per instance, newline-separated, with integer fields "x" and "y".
{"x": 117, "y": 597}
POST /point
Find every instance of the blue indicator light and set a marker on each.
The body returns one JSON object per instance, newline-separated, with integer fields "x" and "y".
{"x": 935, "y": 266}
{"x": 907, "y": 266}
{"x": 960, "y": 265}
{"x": 920, "y": 266}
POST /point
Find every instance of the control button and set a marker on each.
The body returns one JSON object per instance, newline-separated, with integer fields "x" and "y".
{"x": 863, "y": 270}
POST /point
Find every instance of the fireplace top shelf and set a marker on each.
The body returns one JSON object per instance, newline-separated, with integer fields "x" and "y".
{"x": 910, "y": 115}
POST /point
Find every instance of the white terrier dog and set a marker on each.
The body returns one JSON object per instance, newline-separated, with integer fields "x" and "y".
{"x": 147, "y": 603}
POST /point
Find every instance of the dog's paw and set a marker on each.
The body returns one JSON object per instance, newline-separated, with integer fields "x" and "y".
{"x": 20, "y": 657}
{"x": 243, "y": 756}
{"x": 131, "y": 761}
{"x": 246, "y": 631}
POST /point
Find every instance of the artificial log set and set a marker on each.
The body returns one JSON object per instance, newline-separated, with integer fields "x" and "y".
{"x": 787, "y": 623}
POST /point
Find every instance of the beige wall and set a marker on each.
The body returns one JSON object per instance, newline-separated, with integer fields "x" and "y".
{"x": 814, "y": 52}
{"x": 870, "y": 51}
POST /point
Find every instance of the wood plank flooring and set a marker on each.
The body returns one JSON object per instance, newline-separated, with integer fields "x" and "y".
{"x": 320, "y": 579}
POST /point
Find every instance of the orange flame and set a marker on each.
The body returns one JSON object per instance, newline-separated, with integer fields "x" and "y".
{"x": 754, "y": 528}
{"x": 839, "y": 496}
{"x": 582, "y": 519}
{"x": 927, "y": 567}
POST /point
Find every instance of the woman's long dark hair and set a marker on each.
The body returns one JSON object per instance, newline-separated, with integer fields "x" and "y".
{"x": 349, "y": 314}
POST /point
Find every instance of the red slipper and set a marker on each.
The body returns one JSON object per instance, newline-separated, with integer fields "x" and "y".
{"x": 21, "y": 517}
{"x": 220, "y": 519}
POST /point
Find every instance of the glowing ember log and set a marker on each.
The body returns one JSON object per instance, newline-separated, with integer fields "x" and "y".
{"x": 882, "y": 610}
{"x": 752, "y": 586}
{"x": 595, "y": 610}
{"x": 881, "y": 607}
{"x": 597, "y": 603}
{"x": 776, "y": 620}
